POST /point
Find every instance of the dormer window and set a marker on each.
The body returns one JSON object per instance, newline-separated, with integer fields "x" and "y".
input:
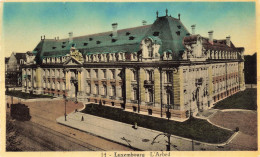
{"x": 111, "y": 35}
{"x": 131, "y": 38}
{"x": 64, "y": 42}
{"x": 127, "y": 33}
{"x": 90, "y": 39}
{"x": 63, "y": 46}
{"x": 113, "y": 40}
{"x": 53, "y": 47}
{"x": 85, "y": 44}
{"x": 188, "y": 34}
{"x": 98, "y": 42}
{"x": 179, "y": 26}
{"x": 178, "y": 33}
{"x": 156, "y": 33}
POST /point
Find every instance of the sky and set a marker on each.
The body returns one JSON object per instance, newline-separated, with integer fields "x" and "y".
{"x": 24, "y": 23}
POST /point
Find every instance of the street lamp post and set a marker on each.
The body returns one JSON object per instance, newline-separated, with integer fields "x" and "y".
{"x": 65, "y": 102}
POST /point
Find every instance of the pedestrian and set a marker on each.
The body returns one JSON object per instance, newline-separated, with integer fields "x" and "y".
{"x": 82, "y": 118}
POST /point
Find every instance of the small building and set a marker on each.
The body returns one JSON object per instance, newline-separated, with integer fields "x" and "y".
{"x": 13, "y": 70}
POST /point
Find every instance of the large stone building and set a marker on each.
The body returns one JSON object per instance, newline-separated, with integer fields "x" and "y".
{"x": 149, "y": 68}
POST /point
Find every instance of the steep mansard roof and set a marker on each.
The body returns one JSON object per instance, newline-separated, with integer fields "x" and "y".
{"x": 169, "y": 30}
{"x": 218, "y": 45}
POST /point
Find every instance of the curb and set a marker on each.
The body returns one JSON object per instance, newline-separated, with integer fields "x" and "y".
{"x": 155, "y": 131}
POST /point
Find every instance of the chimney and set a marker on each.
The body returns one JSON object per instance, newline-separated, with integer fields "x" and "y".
{"x": 193, "y": 29}
{"x": 166, "y": 11}
{"x": 57, "y": 38}
{"x": 54, "y": 38}
{"x": 114, "y": 26}
{"x": 157, "y": 14}
{"x": 70, "y": 37}
{"x": 144, "y": 22}
{"x": 228, "y": 41}
{"x": 179, "y": 16}
{"x": 44, "y": 37}
{"x": 211, "y": 37}
{"x": 41, "y": 37}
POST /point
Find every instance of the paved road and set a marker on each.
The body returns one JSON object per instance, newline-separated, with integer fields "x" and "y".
{"x": 43, "y": 128}
{"x": 35, "y": 137}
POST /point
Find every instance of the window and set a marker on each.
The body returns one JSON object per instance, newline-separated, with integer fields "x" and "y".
{"x": 88, "y": 73}
{"x": 131, "y": 38}
{"x": 178, "y": 33}
{"x": 134, "y": 75}
{"x": 85, "y": 44}
{"x": 169, "y": 77}
{"x": 149, "y": 75}
{"x": 88, "y": 88}
{"x": 104, "y": 90}
{"x": 63, "y": 46}
{"x": 96, "y": 89}
{"x": 114, "y": 40}
{"x": 98, "y": 42}
{"x": 148, "y": 44}
{"x": 150, "y": 95}
{"x": 104, "y": 74}
{"x": 90, "y": 39}
{"x": 113, "y": 90}
{"x": 156, "y": 33}
{"x": 113, "y": 74}
{"x": 179, "y": 26}
{"x": 127, "y": 33}
{"x": 134, "y": 96}
{"x": 96, "y": 73}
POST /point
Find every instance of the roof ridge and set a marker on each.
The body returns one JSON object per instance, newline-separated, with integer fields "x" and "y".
{"x": 102, "y": 33}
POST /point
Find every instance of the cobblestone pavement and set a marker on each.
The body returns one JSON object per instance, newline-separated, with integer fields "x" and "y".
{"x": 45, "y": 111}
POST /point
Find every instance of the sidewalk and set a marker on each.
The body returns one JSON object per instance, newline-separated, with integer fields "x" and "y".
{"x": 140, "y": 138}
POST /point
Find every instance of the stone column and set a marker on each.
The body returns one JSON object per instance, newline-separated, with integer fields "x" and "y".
{"x": 128, "y": 84}
{"x": 141, "y": 85}
{"x": 157, "y": 89}
{"x": 38, "y": 82}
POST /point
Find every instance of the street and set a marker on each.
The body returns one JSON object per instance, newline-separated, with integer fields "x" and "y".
{"x": 42, "y": 133}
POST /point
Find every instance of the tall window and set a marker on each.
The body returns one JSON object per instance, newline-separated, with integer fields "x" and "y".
{"x": 149, "y": 75}
{"x": 134, "y": 75}
{"x": 169, "y": 76}
{"x": 150, "y": 95}
{"x": 88, "y": 88}
{"x": 96, "y": 88}
{"x": 134, "y": 97}
{"x": 113, "y": 92}
{"x": 104, "y": 90}
{"x": 104, "y": 74}
{"x": 88, "y": 73}
{"x": 96, "y": 73}
{"x": 148, "y": 44}
{"x": 113, "y": 74}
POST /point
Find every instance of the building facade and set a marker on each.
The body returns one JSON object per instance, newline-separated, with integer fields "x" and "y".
{"x": 13, "y": 70}
{"x": 151, "y": 69}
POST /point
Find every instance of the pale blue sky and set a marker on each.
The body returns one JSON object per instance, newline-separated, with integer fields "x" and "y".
{"x": 24, "y": 23}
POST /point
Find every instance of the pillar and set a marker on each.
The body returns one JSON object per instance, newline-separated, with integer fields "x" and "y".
{"x": 157, "y": 89}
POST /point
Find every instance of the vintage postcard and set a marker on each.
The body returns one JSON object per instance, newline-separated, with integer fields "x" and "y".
{"x": 129, "y": 79}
